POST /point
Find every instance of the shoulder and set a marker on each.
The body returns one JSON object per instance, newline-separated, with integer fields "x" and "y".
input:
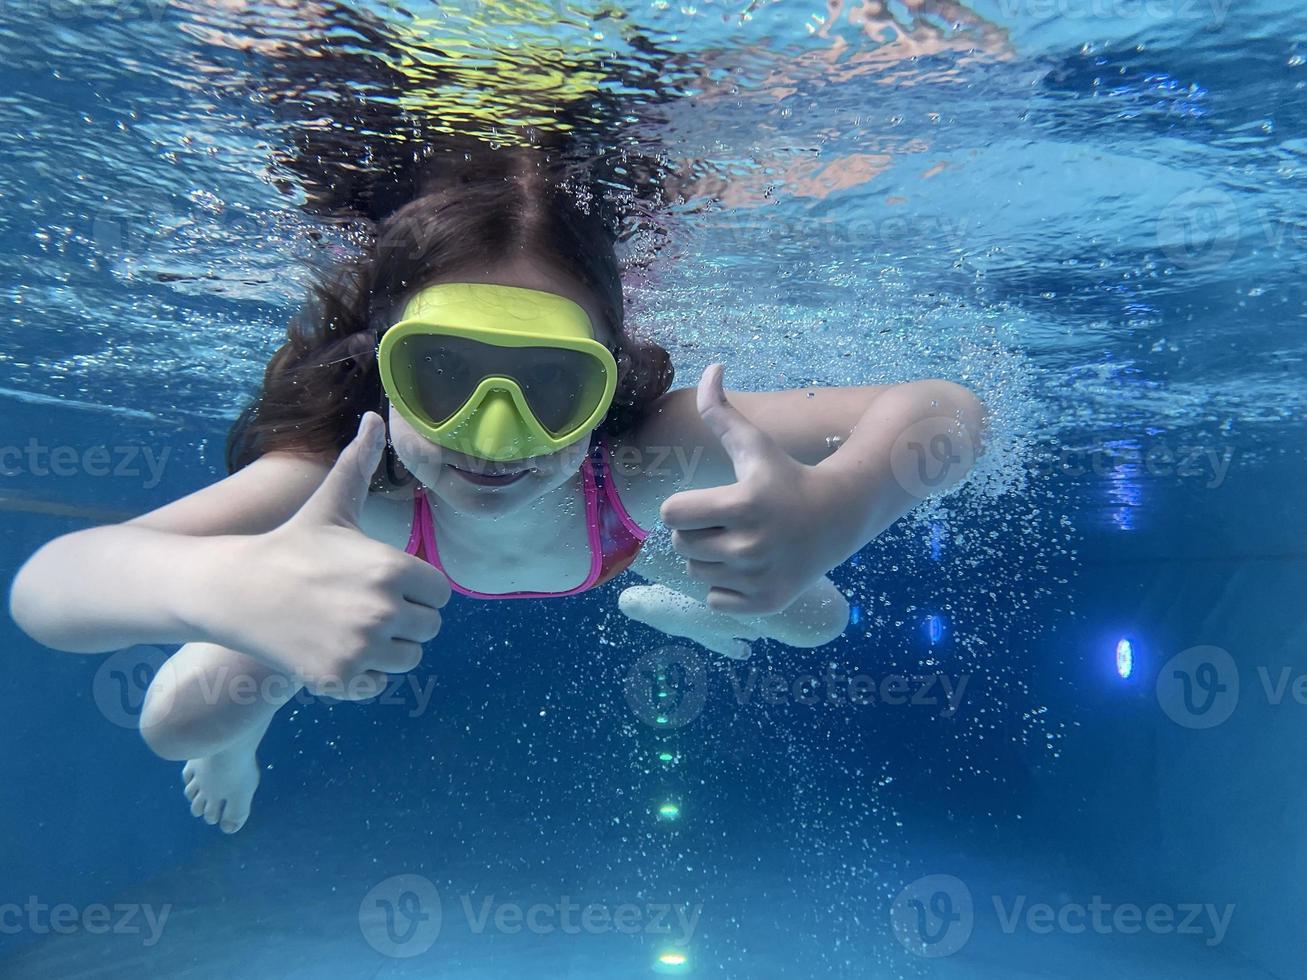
{"x": 670, "y": 450}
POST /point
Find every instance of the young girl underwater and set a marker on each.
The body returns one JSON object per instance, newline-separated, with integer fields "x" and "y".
{"x": 463, "y": 410}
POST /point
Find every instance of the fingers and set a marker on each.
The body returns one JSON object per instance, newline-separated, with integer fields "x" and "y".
{"x": 415, "y": 623}
{"x": 424, "y": 584}
{"x": 339, "y": 499}
{"x": 692, "y": 509}
{"x": 710, "y": 544}
{"x": 717, "y": 573}
{"x": 738, "y": 603}
{"x": 397, "y": 657}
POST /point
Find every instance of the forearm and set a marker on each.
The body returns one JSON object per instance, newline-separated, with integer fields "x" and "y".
{"x": 111, "y": 587}
{"x": 914, "y": 440}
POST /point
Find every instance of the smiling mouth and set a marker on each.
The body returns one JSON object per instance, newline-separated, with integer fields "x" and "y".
{"x": 489, "y": 479}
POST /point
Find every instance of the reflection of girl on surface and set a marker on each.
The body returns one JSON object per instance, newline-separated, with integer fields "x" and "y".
{"x": 463, "y": 408}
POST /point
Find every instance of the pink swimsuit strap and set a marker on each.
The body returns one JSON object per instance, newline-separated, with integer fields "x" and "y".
{"x": 614, "y": 538}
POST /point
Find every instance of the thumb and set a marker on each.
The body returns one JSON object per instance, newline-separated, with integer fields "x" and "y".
{"x": 745, "y": 443}
{"x": 339, "y": 498}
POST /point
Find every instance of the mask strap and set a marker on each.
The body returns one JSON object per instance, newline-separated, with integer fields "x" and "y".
{"x": 391, "y": 461}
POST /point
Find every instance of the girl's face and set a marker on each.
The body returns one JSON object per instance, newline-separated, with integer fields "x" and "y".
{"x": 468, "y": 483}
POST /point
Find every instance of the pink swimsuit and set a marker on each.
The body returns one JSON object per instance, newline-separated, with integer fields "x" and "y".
{"x": 614, "y": 538}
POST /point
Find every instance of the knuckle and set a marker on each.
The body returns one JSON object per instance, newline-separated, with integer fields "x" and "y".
{"x": 382, "y": 573}
{"x": 371, "y": 617}
{"x": 741, "y": 507}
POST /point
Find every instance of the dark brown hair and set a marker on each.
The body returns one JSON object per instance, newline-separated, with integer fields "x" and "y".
{"x": 470, "y": 209}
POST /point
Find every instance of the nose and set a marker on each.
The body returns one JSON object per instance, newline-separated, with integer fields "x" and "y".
{"x": 497, "y": 430}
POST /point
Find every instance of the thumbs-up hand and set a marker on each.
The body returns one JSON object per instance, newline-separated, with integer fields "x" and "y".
{"x": 318, "y": 599}
{"x": 761, "y": 541}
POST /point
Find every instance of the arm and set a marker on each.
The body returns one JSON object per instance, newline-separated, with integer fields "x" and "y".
{"x": 851, "y": 431}
{"x": 784, "y": 486}
{"x": 314, "y": 598}
{"x": 105, "y": 588}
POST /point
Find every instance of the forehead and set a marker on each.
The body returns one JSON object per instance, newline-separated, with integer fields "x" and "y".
{"x": 527, "y": 274}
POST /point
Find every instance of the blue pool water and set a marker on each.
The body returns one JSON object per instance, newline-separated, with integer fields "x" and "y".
{"x": 1092, "y": 212}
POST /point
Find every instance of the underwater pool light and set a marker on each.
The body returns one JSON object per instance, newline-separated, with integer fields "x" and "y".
{"x": 934, "y": 626}
{"x": 666, "y": 757}
{"x": 669, "y": 811}
{"x": 1125, "y": 658}
{"x": 672, "y": 961}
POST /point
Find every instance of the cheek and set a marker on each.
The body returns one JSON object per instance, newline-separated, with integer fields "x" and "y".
{"x": 420, "y": 457}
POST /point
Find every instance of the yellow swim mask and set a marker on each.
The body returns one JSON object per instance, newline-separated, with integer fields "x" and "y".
{"x": 497, "y": 372}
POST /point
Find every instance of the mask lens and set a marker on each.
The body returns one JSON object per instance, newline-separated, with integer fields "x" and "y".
{"x": 561, "y": 387}
{"x": 437, "y": 374}
{"x": 442, "y": 373}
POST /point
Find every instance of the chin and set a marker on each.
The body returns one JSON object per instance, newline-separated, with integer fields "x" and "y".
{"x": 492, "y": 488}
